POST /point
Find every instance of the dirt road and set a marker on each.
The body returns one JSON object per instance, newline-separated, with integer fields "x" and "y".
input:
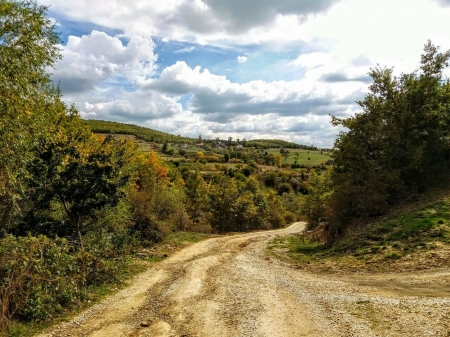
{"x": 228, "y": 287}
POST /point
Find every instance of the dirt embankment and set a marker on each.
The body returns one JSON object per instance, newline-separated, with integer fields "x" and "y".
{"x": 228, "y": 287}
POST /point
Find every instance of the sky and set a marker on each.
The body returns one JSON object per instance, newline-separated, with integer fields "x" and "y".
{"x": 236, "y": 68}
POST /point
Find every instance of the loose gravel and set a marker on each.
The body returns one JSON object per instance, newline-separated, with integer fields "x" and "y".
{"x": 228, "y": 287}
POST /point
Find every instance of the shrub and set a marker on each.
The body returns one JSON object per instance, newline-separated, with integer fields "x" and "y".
{"x": 277, "y": 219}
{"x": 211, "y": 159}
{"x": 38, "y": 276}
{"x": 290, "y": 217}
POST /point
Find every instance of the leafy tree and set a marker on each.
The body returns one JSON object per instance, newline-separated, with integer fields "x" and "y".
{"x": 278, "y": 160}
{"x": 398, "y": 143}
{"x": 80, "y": 173}
{"x": 196, "y": 191}
{"x": 165, "y": 147}
{"x": 226, "y": 157}
{"x": 199, "y": 155}
{"x": 155, "y": 196}
{"x": 315, "y": 203}
{"x": 223, "y": 194}
{"x": 29, "y": 106}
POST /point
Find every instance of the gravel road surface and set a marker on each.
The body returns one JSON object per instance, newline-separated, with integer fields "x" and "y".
{"x": 227, "y": 286}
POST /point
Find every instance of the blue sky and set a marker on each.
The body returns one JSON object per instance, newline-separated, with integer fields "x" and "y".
{"x": 240, "y": 68}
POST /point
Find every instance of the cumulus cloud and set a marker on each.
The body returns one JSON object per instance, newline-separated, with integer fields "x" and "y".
{"x": 91, "y": 60}
{"x": 203, "y": 20}
{"x": 343, "y": 77}
{"x": 102, "y": 76}
{"x": 219, "y": 99}
{"x": 312, "y": 60}
{"x": 242, "y": 59}
{"x": 240, "y": 16}
{"x": 135, "y": 107}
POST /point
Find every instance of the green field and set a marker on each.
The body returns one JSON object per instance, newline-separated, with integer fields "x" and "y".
{"x": 303, "y": 157}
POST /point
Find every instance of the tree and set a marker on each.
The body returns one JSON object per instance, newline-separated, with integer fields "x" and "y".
{"x": 165, "y": 147}
{"x": 223, "y": 194}
{"x": 278, "y": 160}
{"x": 196, "y": 191}
{"x": 316, "y": 202}
{"x": 226, "y": 157}
{"x": 29, "y": 106}
{"x": 156, "y": 197}
{"x": 399, "y": 142}
{"x": 80, "y": 172}
{"x": 199, "y": 155}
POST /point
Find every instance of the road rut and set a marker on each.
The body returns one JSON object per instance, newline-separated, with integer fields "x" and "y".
{"x": 227, "y": 286}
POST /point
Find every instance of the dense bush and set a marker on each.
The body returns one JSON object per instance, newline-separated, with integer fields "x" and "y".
{"x": 38, "y": 276}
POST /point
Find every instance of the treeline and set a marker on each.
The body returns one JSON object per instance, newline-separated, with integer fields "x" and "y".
{"x": 150, "y": 135}
{"x": 397, "y": 145}
{"x": 140, "y": 132}
{"x": 74, "y": 204}
{"x": 277, "y": 143}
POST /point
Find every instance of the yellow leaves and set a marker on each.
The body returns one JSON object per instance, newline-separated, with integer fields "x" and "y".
{"x": 99, "y": 138}
{"x": 278, "y": 160}
{"x": 151, "y": 171}
{"x": 160, "y": 169}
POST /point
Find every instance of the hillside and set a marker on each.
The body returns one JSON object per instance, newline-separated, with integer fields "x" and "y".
{"x": 143, "y": 133}
{"x": 151, "y": 135}
{"x": 414, "y": 236}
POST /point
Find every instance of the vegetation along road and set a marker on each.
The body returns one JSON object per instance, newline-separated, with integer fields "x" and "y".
{"x": 228, "y": 286}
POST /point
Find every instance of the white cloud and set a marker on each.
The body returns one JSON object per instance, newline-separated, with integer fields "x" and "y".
{"x": 312, "y": 60}
{"x": 336, "y": 43}
{"x": 184, "y": 50}
{"x": 92, "y": 60}
{"x": 137, "y": 107}
{"x": 390, "y": 33}
{"x": 242, "y": 59}
{"x": 198, "y": 20}
{"x": 103, "y": 76}
{"x": 219, "y": 99}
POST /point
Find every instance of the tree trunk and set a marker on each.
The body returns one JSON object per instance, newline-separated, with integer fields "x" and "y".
{"x": 80, "y": 237}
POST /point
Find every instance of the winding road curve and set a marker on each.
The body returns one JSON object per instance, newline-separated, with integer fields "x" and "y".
{"x": 227, "y": 286}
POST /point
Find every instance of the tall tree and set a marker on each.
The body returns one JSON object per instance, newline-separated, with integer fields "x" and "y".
{"x": 80, "y": 172}
{"x": 398, "y": 143}
{"x": 196, "y": 191}
{"x": 29, "y": 106}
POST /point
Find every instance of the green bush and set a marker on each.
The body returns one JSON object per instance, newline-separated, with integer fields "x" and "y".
{"x": 39, "y": 276}
{"x": 290, "y": 217}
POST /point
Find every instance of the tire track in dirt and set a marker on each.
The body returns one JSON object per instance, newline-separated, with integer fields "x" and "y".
{"x": 228, "y": 287}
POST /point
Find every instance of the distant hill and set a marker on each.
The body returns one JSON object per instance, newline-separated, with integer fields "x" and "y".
{"x": 151, "y": 135}
{"x": 140, "y": 132}
{"x": 277, "y": 143}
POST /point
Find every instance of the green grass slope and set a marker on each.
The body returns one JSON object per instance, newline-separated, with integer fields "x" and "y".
{"x": 140, "y": 132}
{"x": 416, "y": 239}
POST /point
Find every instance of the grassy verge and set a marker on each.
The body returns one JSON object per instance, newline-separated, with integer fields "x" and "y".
{"x": 415, "y": 240}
